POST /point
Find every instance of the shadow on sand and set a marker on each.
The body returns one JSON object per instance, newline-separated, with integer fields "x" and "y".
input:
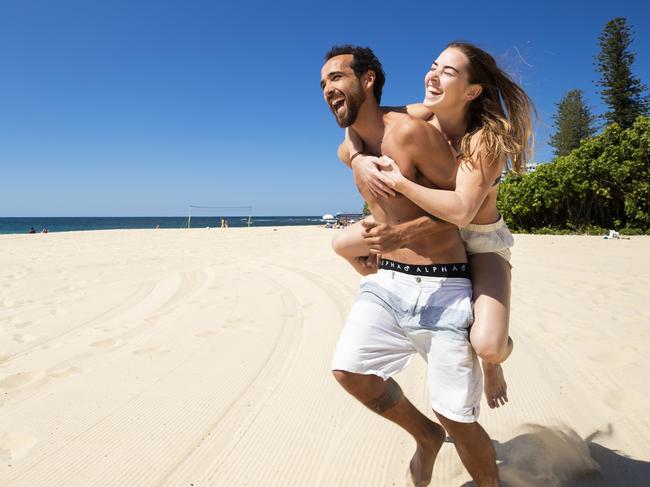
{"x": 558, "y": 457}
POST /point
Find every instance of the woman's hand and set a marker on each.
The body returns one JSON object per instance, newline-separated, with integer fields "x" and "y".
{"x": 367, "y": 174}
{"x": 390, "y": 173}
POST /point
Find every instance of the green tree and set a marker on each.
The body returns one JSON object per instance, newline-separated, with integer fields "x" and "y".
{"x": 573, "y": 123}
{"x": 621, "y": 91}
{"x": 366, "y": 210}
{"x": 603, "y": 183}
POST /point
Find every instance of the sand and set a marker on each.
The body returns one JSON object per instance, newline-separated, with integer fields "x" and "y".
{"x": 201, "y": 357}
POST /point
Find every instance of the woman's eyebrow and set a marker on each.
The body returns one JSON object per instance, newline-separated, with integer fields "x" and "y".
{"x": 445, "y": 67}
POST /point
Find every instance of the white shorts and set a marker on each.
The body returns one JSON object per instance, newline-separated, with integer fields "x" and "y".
{"x": 397, "y": 315}
{"x": 493, "y": 237}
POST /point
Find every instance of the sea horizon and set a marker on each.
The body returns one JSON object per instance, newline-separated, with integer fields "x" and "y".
{"x": 20, "y": 225}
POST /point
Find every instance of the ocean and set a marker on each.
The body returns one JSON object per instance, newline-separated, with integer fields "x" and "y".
{"x": 69, "y": 224}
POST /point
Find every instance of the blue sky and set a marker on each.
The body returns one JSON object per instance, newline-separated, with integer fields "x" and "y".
{"x": 129, "y": 108}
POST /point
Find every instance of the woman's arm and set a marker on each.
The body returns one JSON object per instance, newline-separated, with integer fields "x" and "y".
{"x": 418, "y": 110}
{"x": 365, "y": 168}
{"x": 473, "y": 181}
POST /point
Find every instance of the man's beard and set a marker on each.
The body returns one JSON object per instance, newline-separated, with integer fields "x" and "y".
{"x": 353, "y": 102}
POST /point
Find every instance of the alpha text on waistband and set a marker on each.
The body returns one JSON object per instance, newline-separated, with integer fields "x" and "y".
{"x": 433, "y": 270}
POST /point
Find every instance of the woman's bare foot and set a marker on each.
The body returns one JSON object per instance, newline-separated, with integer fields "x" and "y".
{"x": 495, "y": 387}
{"x": 421, "y": 466}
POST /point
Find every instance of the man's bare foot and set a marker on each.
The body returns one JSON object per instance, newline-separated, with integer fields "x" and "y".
{"x": 421, "y": 465}
{"x": 496, "y": 389}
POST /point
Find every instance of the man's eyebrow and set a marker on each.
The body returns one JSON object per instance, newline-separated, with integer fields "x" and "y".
{"x": 329, "y": 75}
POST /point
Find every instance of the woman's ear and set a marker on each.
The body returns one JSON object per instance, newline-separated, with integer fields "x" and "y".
{"x": 473, "y": 92}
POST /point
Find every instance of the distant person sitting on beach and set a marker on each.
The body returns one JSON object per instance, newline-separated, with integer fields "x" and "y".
{"x": 486, "y": 118}
{"x": 31, "y": 230}
{"x": 420, "y": 299}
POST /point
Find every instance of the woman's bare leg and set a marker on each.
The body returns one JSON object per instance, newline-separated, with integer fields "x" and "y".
{"x": 489, "y": 334}
{"x": 349, "y": 243}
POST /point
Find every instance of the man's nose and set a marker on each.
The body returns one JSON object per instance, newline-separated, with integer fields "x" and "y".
{"x": 327, "y": 91}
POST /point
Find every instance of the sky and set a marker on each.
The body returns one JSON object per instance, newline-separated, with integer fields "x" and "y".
{"x": 141, "y": 108}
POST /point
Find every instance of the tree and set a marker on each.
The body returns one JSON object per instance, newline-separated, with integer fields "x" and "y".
{"x": 603, "y": 183}
{"x": 621, "y": 91}
{"x": 573, "y": 123}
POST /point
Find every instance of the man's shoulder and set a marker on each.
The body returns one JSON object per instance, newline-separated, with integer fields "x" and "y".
{"x": 410, "y": 130}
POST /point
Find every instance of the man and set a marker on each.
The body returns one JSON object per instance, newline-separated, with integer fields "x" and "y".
{"x": 420, "y": 299}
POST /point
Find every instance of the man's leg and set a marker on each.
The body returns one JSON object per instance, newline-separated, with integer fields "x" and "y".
{"x": 474, "y": 449}
{"x": 454, "y": 375}
{"x": 387, "y": 399}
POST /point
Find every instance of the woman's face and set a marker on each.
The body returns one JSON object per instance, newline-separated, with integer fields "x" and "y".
{"x": 447, "y": 83}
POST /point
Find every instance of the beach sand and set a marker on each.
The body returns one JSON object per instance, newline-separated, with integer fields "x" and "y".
{"x": 201, "y": 357}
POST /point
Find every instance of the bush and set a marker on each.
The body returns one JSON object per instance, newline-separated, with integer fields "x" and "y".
{"x": 604, "y": 183}
{"x": 633, "y": 231}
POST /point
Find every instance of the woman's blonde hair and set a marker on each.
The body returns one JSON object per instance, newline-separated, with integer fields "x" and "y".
{"x": 503, "y": 111}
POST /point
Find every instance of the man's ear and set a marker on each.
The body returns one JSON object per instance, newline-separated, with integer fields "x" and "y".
{"x": 473, "y": 92}
{"x": 369, "y": 78}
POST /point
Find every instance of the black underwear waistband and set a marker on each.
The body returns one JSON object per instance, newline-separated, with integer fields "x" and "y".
{"x": 431, "y": 270}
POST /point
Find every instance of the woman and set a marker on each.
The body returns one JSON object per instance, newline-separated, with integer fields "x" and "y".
{"x": 486, "y": 118}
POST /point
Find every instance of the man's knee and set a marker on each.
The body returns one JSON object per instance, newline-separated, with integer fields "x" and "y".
{"x": 450, "y": 425}
{"x": 342, "y": 376}
{"x": 456, "y": 429}
{"x": 376, "y": 393}
{"x": 352, "y": 382}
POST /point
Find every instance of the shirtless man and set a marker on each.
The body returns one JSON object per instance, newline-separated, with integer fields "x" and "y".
{"x": 420, "y": 299}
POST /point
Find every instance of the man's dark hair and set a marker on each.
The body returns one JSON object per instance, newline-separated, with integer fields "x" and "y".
{"x": 363, "y": 60}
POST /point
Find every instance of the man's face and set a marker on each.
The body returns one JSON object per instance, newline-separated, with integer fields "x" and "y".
{"x": 342, "y": 89}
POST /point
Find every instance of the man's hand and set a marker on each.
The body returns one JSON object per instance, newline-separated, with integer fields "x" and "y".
{"x": 367, "y": 174}
{"x": 381, "y": 237}
{"x": 369, "y": 263}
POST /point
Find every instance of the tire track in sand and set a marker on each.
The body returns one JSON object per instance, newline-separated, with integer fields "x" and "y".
{"x": 235, "y": 420}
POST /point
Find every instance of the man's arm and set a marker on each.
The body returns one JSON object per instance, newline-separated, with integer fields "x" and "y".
{"x": 383, "y": 238}
{"x": 344, "y": 152}
{"x": 475, "y": 178}
{"x": 364, "y": 168}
